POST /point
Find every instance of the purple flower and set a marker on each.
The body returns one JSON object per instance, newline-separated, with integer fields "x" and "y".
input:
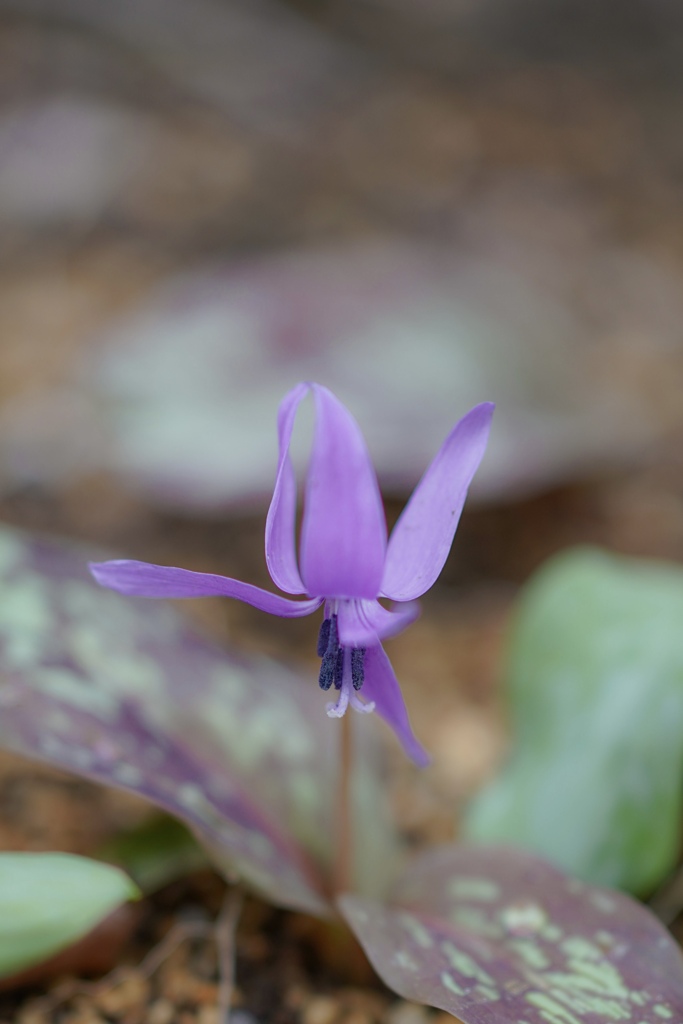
{"x": 345, "y": 561}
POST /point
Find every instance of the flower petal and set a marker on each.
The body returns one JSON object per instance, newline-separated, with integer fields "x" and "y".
{"x": 388, "y": 622}
{"x": 420, "y": 541}
{"x": 144, "y": 580}
{"x": 281, "y": 520}
{"x": 381, "y": 686}
{"x": 344, "y": 534}
{"x": 365, "y": 623}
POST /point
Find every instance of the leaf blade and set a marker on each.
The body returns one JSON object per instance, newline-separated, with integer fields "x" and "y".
{"x": 494, "y": 935}
{"x": 122, "y": 691}
{"x": 595, "y": 685}
{"x": 49, "y": 900}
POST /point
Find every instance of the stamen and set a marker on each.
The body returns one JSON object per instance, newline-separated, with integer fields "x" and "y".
{"x": 357, "y": 667}
{"x": 333, "y": 639}
{"x": 339, "y": 668}
{"x": 358, "y": 705}
{"x": 327, "y": 669}
{"x": 323, "y": 637}
{"x": 330, "y": 655}
{"x": 339, "y": 709}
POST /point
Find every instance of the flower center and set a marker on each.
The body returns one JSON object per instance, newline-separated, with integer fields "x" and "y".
{"x": 332, "y": 654}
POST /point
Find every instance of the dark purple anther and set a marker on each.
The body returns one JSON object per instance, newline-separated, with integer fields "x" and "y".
{"x": 339, "y": 669}
{"x": 357, "y": 667}
{"x": 329, "y": 669}
{"x": 323, "y": 637}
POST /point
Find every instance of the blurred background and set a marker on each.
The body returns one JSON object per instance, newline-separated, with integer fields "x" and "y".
{"x": 423, "y": 205}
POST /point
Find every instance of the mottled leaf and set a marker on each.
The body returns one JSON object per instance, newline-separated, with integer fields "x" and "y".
{"x": 122, "y": 691}
{"x": 595, "y": 686}
{"x": 497, "y": 936}
{"x": 179, "y": 395}
{"x": 191, "y": 381}
{"x": 49, "y": 900}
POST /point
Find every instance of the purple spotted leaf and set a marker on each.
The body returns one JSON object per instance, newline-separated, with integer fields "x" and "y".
{"x": 177, "y": 395}
{"x": 496, "y": 935}
{"x": 123, "y": 692}
{"x": 220, "y": 346}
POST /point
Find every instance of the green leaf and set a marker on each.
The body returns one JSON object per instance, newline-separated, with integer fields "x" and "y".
{"x": 595, "y": 687}
{"x": 49, "y": 900}
{"x": 155, "y": 853}
{"x": 497, "y": 936}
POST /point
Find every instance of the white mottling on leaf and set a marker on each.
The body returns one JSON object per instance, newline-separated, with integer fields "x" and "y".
{"x": 114, "y": 668}
{"x": 74, "y": 691}
{"x": 523, "y": 918}
{"x": 127, "y": 774}
{"x": 405, "y": 961}
{"x": 600, "y": 977}
{"x": 475, "y": 920}
{"x": 581, "y": 949}
{"x": 587, "y": 1003}
{"x": 530, "y": 952}
{"x": 449, "y": 982}
{"x": 191, "y": 796}
{"x": 27, "y": 621}
{"x": 466, "y": 965}
{"x": 603, "y": 902}
{"x": 550, "y": 1010}
{"x": 252, "y": 731}
{"x": 485, "y": 994}
{"x": 417, "y": 931}
{"x": 478, "y": 889}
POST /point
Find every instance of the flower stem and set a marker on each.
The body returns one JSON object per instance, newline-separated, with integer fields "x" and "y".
{"x": 343, "y": 862}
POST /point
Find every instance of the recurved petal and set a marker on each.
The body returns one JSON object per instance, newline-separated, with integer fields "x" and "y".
{"x": 144, "y": 580}
{"x": 344, "y": 534}
{"x": 363, "y": 623}
{"x": 420, "y": 541}
{"x": 390, "y": 621}
{"x": 281, "y": 520}
{"x": 381, "y": 686}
